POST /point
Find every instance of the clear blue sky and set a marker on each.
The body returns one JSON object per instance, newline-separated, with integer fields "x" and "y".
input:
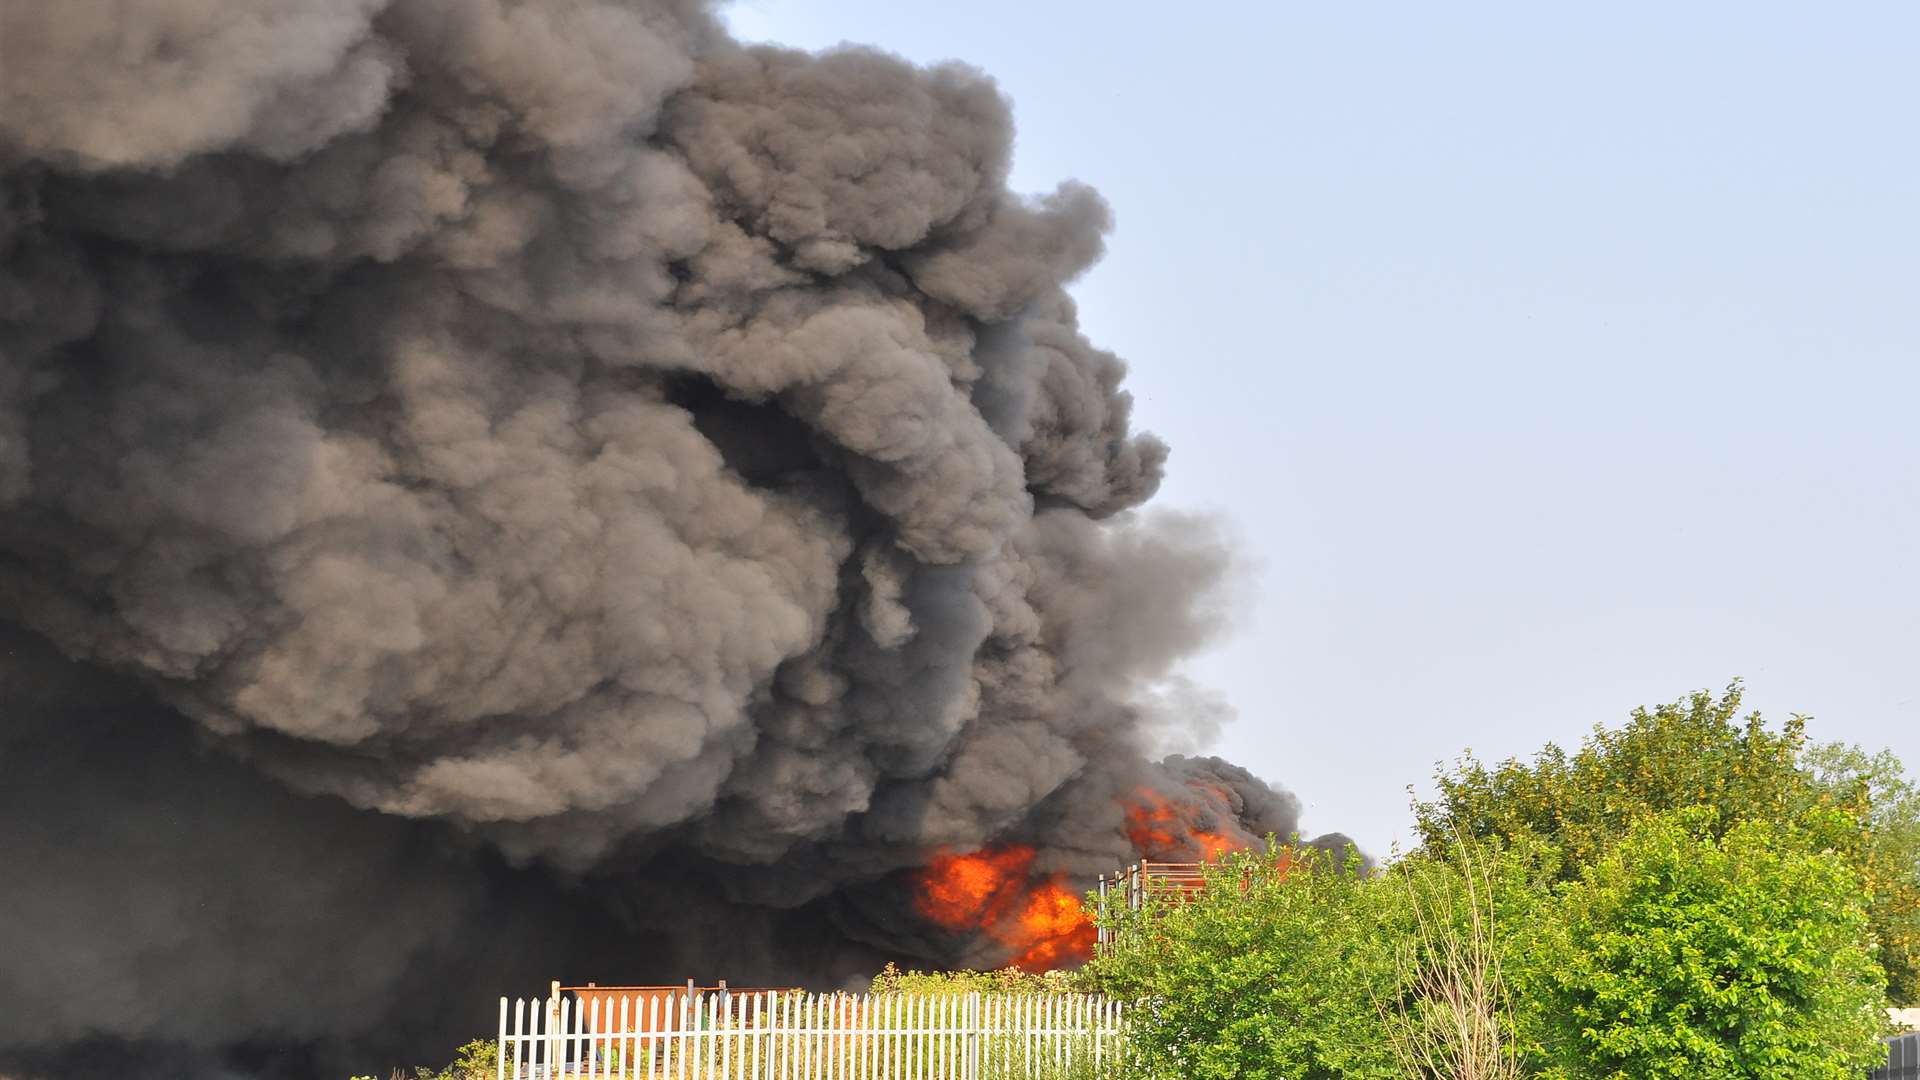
{"x": 1547, "y": 359}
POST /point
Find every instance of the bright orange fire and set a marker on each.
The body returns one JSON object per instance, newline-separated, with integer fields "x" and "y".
{"x": 1057, "y": 927}
{"x": 973, "y": 891}
{"x": 1158, "y": 826}
{"x": 1039, "y": 918}
{"x": 1151, "y": 823}
{"x": 1214, "y": 845}
{"x": 1041, "y": 924}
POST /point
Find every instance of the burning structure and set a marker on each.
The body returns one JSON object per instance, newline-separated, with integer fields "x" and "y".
{"x": 490, "y": 487}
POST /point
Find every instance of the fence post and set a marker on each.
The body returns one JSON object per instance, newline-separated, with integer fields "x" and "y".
{"x": 972, "y": 1064}
{"x": 754, "y": 1034}
{"x": 553, "y": 1027}
{"x": 500, "y": 1045}
{"x": 1100, "y": 909}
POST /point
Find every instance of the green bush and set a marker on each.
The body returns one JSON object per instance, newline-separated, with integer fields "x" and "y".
{"x": 1270, "y": 972}
{"x": 1689, "y": 952}
{"x": 1012, "y": 980}
{"x": 1689, "y": 897}
{"x": 1701, "y": 751}
{"x": 1889, "y": 862}
{"x": 474, "y": 1061}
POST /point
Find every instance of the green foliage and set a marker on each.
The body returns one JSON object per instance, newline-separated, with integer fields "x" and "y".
{"x": 1890, "y": 867}
{"x": 1696, "y": 752}
{"x": 1693, "y": 895}
{"x": 474, "y": 1061}
{"x": 1691, "y": 949}
{"x": 1008, "y": 1059}
{"x": 1012, "y": 980}
{"x": 1273, "y": 971}
{"x": 1454, "y": 1012}
{"x": 1303, "y": 967}
{"x": 1005, "y": 1059}
{"x": 1700, "y": 752}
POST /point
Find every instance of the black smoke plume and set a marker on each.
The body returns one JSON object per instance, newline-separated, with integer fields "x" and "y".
{"x": 502, "y": 489}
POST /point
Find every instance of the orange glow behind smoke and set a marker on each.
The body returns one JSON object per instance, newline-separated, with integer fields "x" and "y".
{"x": 1214, "y": 845}
{"x": 1151, "y": 823}
{"x": 1056, "y": 926}
{"x": 1040, "y": 921}
{"x": 1159, "y": 827}
{"x": 991, "y": 892}
{"x": 973, "y": 892}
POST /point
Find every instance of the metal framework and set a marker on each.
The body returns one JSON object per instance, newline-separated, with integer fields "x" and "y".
{"x": 1136, "y": 881}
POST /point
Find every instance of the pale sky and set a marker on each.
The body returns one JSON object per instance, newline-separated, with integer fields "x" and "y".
{"x": 1547, "y": 360}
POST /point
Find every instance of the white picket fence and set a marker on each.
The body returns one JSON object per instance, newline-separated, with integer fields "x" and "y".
{"x": 790, "y": 1036}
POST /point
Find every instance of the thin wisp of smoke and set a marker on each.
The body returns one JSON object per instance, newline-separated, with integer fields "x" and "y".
{"x": 492, "y": 489}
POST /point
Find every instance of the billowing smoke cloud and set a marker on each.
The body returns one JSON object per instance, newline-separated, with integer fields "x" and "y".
{"x": 493, "y": 489}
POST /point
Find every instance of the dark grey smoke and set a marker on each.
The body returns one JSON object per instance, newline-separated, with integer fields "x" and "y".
{"x": 501, "y": 489}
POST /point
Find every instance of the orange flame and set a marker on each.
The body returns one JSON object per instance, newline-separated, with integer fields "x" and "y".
{"x": 1039, "y": 920}
{"x": 1057, "y": 927}
{"x": 1214, "y": 845}
{"x": 1151, "y": 823}
{"x": 973, "y": 891}
{"x": 1041, "y": 924}
{"x": 1159, "y": 826}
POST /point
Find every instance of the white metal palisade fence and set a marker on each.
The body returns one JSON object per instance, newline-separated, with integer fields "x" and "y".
{"x": 793, "y": 1036}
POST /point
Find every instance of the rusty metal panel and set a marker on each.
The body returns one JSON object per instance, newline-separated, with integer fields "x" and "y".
{"x": 670, "y": 998}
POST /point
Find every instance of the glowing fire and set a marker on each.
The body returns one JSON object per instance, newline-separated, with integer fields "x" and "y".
{"x": 1214, "y": 845}
{"x": 992, "y": 892}
{"x": 1039, "y": 919}
{"x": 1056, "y": 925}
{"x": 1159, "y": 826}
{"x": 1151, "y": 823}
{"x": 972, "y": 892}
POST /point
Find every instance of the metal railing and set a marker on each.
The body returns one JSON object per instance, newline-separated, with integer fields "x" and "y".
{"x": 1132, "y": 885}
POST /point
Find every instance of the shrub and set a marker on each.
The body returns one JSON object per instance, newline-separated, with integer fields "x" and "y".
{"x": 1701, "y": 752}
{"x": 1272, "y": 971}
{"x": 1683, "y": 954}
{"x": 1012, "y": 980}
{"x": 1890, "y": 862}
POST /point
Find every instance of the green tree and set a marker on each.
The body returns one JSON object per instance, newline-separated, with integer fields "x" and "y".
{"x": 1701, "y": 752}
{"x": 1299, "y": 965}
{"x": 1691, "y": 949}
{"x": 1695, "y": 752}
{"x": 1890, "y": 867}
{"x": 1272, "y": 971}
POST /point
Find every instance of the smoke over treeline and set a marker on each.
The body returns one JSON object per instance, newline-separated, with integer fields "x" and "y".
{"x": 502, "y": 489}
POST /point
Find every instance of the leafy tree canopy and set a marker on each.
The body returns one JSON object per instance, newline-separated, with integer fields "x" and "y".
{"x": 1272, "y": 971}
{"x": 1701, "y": 752}
{"x": 1694, "y": 949}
